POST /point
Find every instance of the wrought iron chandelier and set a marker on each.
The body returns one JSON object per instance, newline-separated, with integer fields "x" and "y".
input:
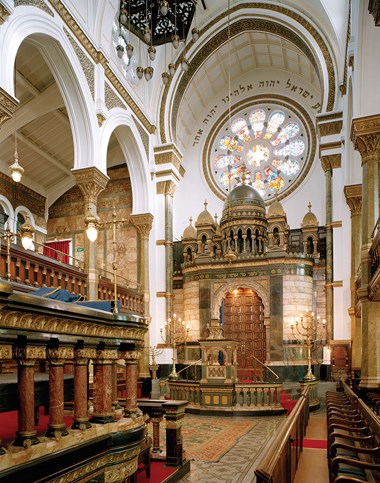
{"x": 155, "y": 23}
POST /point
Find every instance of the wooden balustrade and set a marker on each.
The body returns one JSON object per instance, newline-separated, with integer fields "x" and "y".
{"x": 281, "y": 461}
{"x": 31, "y": 271}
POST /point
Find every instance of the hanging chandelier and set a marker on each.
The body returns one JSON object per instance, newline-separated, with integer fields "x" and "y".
{"x": 155, "y": 23}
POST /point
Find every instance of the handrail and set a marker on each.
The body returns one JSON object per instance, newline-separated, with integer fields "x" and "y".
{"x": 266, "y": 367}
{"x": 273, "y": 464}
{"x": 189, "y": 365}
{"x": 76, "y": 261}
{"x": 105, "y": 274}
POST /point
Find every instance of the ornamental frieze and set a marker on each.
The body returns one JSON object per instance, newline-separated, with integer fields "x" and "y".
{"x": 56, "y": 325}
{"x": 5, "y": 352}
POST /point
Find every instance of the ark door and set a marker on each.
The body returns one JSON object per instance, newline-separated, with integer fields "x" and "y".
{"x": 244, "y": 321}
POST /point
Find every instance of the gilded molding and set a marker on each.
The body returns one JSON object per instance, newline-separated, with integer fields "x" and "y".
{"x": 143, "y": 134}
{"x": 130, "y": 356}
{"x": 265, "y": 25}
{"x": 329, "y": 128}
{"x": 28, "y": 355}
{"x": 143, "y": 223}
{"x": 331, "y": 161}
{"x": 72, "y": 327}
{"x": 35, "y": 3}
{"x": 101, "y": 119}
{"x": 85, "y": 62}
{"x": 5, "y": 352}
{"x": 121, "y": 472}
{"x": 365, "y": 135}
{"x": 167, "y": 187}
{"x": 8, "y": 105}
{"x": 353, "y": 195}
{"x": 111, "y": 98}
{"x": 99, "y": 58}
{"x": 106, "y": 356}
{"x": 91, "y": 182}
{"x": 248, "y": 102}
{"x": 4, "y": 13}
{"x": 81, "y": 356}
{"x": 174, "y": 424}
{"x": 57, "y": 356}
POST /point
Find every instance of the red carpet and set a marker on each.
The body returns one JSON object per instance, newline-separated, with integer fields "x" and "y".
{"x": 286, "y": 402}
{"x": 315, "y": 443}
{"x": 158, "y": 473}
{"x": 8, "y": 423}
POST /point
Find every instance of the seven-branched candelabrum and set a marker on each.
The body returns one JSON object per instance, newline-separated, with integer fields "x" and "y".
{"x": 309, "y": 329}
{"x": 174, "y": 334}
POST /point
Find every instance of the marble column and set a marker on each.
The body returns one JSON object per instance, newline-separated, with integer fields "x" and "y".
{"x": 365, "y": 135}
{"x": 91, "y": 182}
{"x": 26, "y": 359}
{"x": 329, "y": 162}
{"x": 81, "y": 358}
{"x": 143, "y": 225}
{"x": 131, "y": 360}
{"x": 354, "y": 200}
{"x": 56, "y": 358}
{"x": 115, "y": 401}
{"x": 102, "y": 392}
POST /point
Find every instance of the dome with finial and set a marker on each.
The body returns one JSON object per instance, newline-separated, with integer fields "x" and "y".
{"x": 275, "y": 209}
{"x": 190, "y": 232}
{"x": 204, "y": 218}
{"x": 243, "y": 194}
{"x": 309, "y": 219}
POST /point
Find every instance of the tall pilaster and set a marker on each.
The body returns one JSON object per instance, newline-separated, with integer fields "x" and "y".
{"x": 91, "y": 182}
{"x": 329, "y": 126}
{"x": 365, "y": 135}
{"x": 143, "y": 224}
{"x": 354, "y": 201}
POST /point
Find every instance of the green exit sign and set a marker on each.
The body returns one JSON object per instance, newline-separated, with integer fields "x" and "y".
{"x": 79, "y": 249}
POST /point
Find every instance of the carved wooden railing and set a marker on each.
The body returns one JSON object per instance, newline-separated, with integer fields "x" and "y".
{"x": 280, "y": 463}
{"x": 29, "y": 271}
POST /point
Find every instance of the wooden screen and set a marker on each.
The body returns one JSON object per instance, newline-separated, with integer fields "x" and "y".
{"x": 244, "y": 321}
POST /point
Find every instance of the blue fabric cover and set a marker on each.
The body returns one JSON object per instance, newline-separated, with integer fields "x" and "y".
{"x": 56, "y": 294}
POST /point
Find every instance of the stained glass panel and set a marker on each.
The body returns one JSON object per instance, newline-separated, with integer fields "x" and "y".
{"x": 294, "y": 148}
{"x": 240, "y": 128}
{"x": 257, "y": 119}
{"x": 274, "y": 122}
{"x": 258, "y": 155}
{"x": 231, "y": 144}
{"x": 289, "y": 131}
{"x": 258, "y": 183}
{"x": 224, "y": 160}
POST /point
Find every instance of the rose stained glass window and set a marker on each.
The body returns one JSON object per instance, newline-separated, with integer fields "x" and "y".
{"x": 266, "y": 144}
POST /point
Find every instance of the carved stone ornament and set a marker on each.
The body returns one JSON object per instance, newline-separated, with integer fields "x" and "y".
{"x": 91, "y": 182}
{"x": 331, "y": 161}
{"x": 81, "y": 356}
{"x": 57, "y": 356}
{"x": 167, "y": 187}
{"x": 27, "y": 356}
{"x": 5, "y": 352}
{"x": 353, "y": 195}
{"x": 365, "y": 135}
{"x": 105, "y": 356}
{"x": 8, "y": 106}
{"x": 130, "y": 355}
{"x": 35, "y": 3}
{"x": 143, "y": 223}
{"x": 4, "y": 13}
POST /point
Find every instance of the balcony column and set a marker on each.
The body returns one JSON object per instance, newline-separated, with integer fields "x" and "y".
{"x": 143, "y": 224}
{"x": 91, "y": 182}
{"x": 26, "y": 359}
{"x": 102, "y": 393}
{"x": 81, "y": 358}
{"x": 365, "y": 135}
{"x": 131, "y": 365}
{"x": 354, "y": 200}
{"x": 56, "y": 357}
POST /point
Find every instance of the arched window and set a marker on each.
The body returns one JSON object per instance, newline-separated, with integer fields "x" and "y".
{"x": 3, "y": 217}
{"x": 19, "y": 222}
{"x": 310, "y": 246}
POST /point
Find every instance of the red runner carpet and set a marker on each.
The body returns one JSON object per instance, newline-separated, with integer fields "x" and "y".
{"x": 315, "y": 443}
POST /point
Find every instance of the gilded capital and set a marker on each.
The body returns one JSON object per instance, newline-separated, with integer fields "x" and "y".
{"x": 143, "y": 223}
{"x": 106, "y": 356}
{"x": 27, "y": 356}
{"x": 331, "y": 161}
{"x": 365, "y": 135}
{"x": 8, "y": 105}
{"x": 82, "y": 356}
{"x": 167, "y": 187}
{"x": 91, "y": 182}
{"x": 130, "y": 356}
{"x": 5, "y": 352}
{"x": 57, "y": 356}
{"x": 353, "y": 195}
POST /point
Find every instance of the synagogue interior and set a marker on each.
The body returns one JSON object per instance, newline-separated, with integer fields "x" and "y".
{"x": 190, "y": 240}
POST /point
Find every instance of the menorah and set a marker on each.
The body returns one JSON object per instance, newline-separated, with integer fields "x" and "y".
{"x": 154, "y": 351}
{"x": 174, "y": 335}
{"x": 306, "y": 331}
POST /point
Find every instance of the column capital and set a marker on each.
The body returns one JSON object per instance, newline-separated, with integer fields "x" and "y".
{"x": 365, "y": 135}
{"x": 8, "y": 103}
{"x": 166, "y": 187}
{"x": 353, "y": 195}
{"x": 143, "y": 223}
{"x": 106, "y": 356}
{"x": 27, "y": 356}
{"x": 57, "y": 356}
{"x": 81, "y": 356}
{"x": 130, "y": 356}
{"x": 91, "y": 182}
{"x": 5, "y": 352}
{"x": 331, "y": 161}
